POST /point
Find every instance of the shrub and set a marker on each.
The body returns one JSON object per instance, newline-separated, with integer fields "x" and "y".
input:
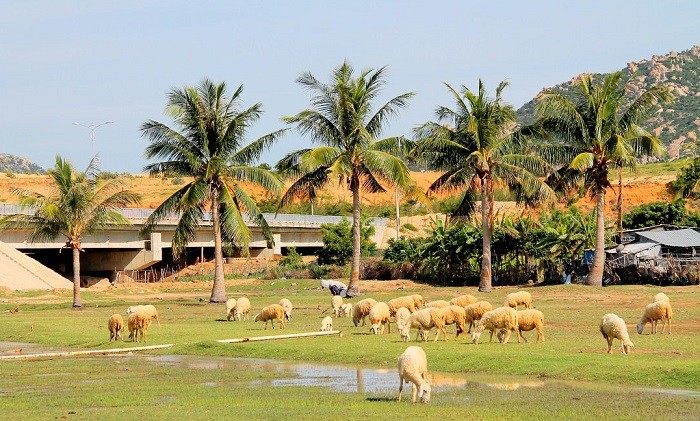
{"x": 337, "y": 242}
{"x": 177, "y": 181}
{"x": 292, "y": 260}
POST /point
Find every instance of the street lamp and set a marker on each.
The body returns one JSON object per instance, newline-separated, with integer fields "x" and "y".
{"x": 92, "y": 128}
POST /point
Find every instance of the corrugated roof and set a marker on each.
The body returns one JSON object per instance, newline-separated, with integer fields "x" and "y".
{"x": 679, "y": 238}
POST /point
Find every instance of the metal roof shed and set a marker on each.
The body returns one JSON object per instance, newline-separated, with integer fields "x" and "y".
{"x": 677, "y": 238}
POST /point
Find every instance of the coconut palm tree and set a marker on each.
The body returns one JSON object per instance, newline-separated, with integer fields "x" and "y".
{"x": 477, "y": 147}
{"x": 598, "y": 127}
{"x": 343, "y": 121}
{"x": 77, "y": 205}
{"x": 209, "y": 146}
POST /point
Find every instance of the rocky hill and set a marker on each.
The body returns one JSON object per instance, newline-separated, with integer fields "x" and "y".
{"x": 15, "y": 164}
{"x": 678, "y": 124}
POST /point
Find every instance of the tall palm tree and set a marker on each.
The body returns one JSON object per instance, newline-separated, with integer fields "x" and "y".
{"x": 597, "y": 128}
{"x": 342, "y": 119}
{"x": 77, "y": 205}
{"x": 476, "y": 146}
{"x": 208, "y": 146}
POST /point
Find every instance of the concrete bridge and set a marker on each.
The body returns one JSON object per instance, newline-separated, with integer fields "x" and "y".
{"x": 121, "y": 247}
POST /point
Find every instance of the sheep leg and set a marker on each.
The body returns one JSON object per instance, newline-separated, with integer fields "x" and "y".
{"x": 518, "y": 334}
{"x": 400, "y": 388}
{"x": 610, "y": 343}
{"x": 506, "y": 337}
{"x": 414, "y": 392}
{"x": 540, "y": 334}
{"x": 669, "y": 326}
{"x": 491, "y": 337}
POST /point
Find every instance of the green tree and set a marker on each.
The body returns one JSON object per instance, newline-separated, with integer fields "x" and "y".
{"x": 650, "y": 214}
{"x": 687, "y": 182}
{"x": 77, "y": 205}
{"x": 594, "y": 128}
{"x": 337, "y": 242}
{"x": 342, "y": 119}
{"x": 209, "y": 146}
{"x": 476, "y": 147}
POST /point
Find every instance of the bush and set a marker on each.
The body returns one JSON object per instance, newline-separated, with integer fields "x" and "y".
{"x": 177, "y": 181}
{"x": 292, "y": 260}
{"x": 337, "y": 242}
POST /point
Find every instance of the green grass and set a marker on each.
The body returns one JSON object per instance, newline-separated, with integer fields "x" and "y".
{"x": 574, "y": 352}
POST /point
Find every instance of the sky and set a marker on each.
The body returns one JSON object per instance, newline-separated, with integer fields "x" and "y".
{"x": 88, "y": 62}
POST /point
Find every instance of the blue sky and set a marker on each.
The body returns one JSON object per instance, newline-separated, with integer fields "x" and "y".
{"x": 93, "y": 61}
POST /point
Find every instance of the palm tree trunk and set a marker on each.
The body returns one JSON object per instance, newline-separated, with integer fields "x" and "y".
{"x": 354, "y": 286}
{"x": 485, "y": 278}
{"x": 218, "y": 291}
{"x": 619, "y": 204}
{"x": 595, "y": 276}
{"x": 77, "y": 303}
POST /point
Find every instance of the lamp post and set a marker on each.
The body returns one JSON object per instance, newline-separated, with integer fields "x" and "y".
{"x": 92, "y": 127}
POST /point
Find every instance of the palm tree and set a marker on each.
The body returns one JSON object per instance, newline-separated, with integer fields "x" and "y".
{"x": 596, "y": 132}
{"x": 209, "y": 147}
{"x": 78, "y": 205}
{"x": 476, "y": 146}
{"x": 343, "y": 121}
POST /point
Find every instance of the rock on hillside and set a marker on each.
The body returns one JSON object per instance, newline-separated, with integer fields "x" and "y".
{"x": 678, "y": 124}
{"x": 16, "y": 164}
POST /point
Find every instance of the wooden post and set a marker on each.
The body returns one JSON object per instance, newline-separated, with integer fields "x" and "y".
{"x": 78, "y": 353}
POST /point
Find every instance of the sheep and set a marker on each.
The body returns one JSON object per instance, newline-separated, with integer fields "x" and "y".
{"x": 514, "y": 299}
{"x": 379, "y": 316}
{"x": 138, "y": 323}
{"x": 270, "y": 314}
{"x": 230, "y": 308}
{"x": 420, "y": 320}
{"x": 287, "y": 306}
{"x": 529, "y": 319}
{"x": 402, "y": 315}
{"x": 346, "y": 309}
{"x": 336, "y": 304}
{"x": 504, "y": 318}
{"x": 410, "y": 302}
{"x": 613, "y": 327}
{"x": 327, "y": 324}
{"x": 463, "y": 300}
{"x": 661, "y": 297}
{"x": 475, "y": 311}
{"x": 442, "y": 317}
{"x": 148, "y": 309}
{"x": 242, "y": 309}
{"x": 437, "y": 304}
{"x": 116, "y": 327}
{"x": 660, "y": 310}
{"x": 413, "y": 368}
{"x": 361, "y": 309}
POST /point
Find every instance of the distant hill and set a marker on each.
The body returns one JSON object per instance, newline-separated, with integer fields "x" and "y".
{"x": 16, "y": 164}
{"x": 678, "y": 124}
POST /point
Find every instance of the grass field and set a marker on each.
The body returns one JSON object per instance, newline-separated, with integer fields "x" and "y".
{"x": 569, "y": 376}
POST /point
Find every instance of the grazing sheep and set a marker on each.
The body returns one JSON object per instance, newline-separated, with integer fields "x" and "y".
{"x": 242, "y": 309}
{"x": 270, "y": 314}
{"x": 148, "y": 309}
{"x": 413, "y": 368}
{"x": 613, "y": 327}
{"x": 138, "y": 323}
{"x": 437, "y": 304}
{"x": 463, "y": 300}
{"x": 661, "y": 297}
{"x": 116, "y": 327}
{"x": 504, "y": 318}
{"x": 230, "y": 308}
{"x": 449, "y": 315}
{"x": 475, "y": 311}
{"x": 346, "y": 309}
{"x": 287, "y": 306}
{"x": 327, "y": 324}
{"x": 660, "y": 310}
{"x": 379, "y": 316}
{"x": 531, "y": 319}
{"x": 361, "y": 309}
{"x": 410, "y": 302}
{"x": 420, "y": 320}
{"x": 336, "y": 304}
{"x": 402, "y": 315}
{"x": 514, "y": 299}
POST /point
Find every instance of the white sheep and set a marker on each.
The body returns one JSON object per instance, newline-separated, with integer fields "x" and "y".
{"x": 270, "y": 314}
{"x": 327, "y": 324}
{"x": 138, "y": 323}
{"x": 116, "y": 327}
{"x": 402, "y": 315}
{"x": 420, "y": 320}
{"x": 336, "y": 304}
{"x": 505, "y": 318}
{"x": 660, "y": 310}
{"x": 379, "y": 316}
{"x": 287, "y": 306}
{"x": 346, "y": 309}
{"x": 413, "y": 368}
{"x": 452, "y": 314}
{"x": 148, "y": 309}
{"x": 613, "y": 327}
{"x": 475, "y": 311}
{"x": 530, "y": 319}
{"x": 411, "y": 302}
{"x": 242, "y": 309}
{"x": 437, "y": 304}
{"x": 463, "y": 300}
{"x": 661, "y": 297}
{"x": 514, "y": 299}
{"x": 361, "y": 309}
{"x": 230, "y": 308}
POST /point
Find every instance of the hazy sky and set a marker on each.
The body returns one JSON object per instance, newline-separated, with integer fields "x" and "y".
{"x": 93, "y": 61}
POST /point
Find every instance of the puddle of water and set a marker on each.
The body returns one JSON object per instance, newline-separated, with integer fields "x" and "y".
{"x": 24, "y": 348}
{"x": 675, "y": 392}
{"x": 209, "y": 384}
{"x": 166, "y": 399}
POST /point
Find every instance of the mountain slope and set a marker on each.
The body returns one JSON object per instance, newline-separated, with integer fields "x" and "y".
{"x": 16, "y": 164}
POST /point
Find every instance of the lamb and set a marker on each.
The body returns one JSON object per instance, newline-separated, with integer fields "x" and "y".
{"x": 270, "y": 314}
{"x": 327, "y": 324}
{"x": 410, "y": 302}
{"x": 346, "y": 309}
{"x": 531, "y": 319}
{"x": 413, "y": 368}
{"x": 613, "y": 327}
{"x": 230, "y": 308}
{"x": 361, "y": 309}
{"x": 242, "y": 309}
{"x": 287, "y": 306}
{"x": 504, "y": 318}
{"x": 661, "y": 297}
{"x": 420, "y": 320}
{"x": 336, "y": 304}
{"x": 660, "y": 310}
{"x": 402, "y": 315}
{"x": 379, "y": 316}
{"x": 437, "y": 304}
{"x": 148, "y": 309}
{"x": 138, "y": 323}
{"x": 463, "y": 300}
{"x": 475, "y": 311}
{"x": 442, "y": 317}
{"x": 514, "y": 299}
{"x": 116, "y": 327}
